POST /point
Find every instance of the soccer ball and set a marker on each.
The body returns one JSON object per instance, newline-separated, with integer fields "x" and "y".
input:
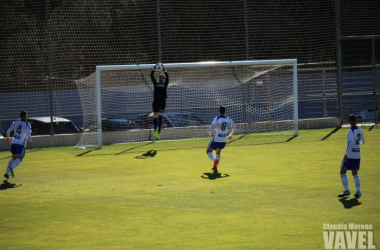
{"x": 159, "y": 67}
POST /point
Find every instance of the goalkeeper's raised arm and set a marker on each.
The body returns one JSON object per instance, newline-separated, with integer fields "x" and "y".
{"x": 163, "y": 77}
{"x": 159, "y": 96}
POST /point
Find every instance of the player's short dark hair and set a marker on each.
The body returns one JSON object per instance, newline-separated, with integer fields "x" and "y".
{"x": 23, "y": 113}
{"x": 352, "y": 117}
{"x": 222, "y": 110}
{"x": 163, "y": 75}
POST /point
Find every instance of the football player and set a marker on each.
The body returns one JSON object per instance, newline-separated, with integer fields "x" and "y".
{"x": 159, "y": 97}
{"x": 22, "y": 134}
{"x": 220, "y": 124}
{"x": 351, "y": 160}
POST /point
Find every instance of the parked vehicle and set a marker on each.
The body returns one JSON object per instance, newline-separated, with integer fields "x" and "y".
{"x": 41, "y": 126}
{"x": 109, "y": 124}
{"x": 171, "y": 119}
{"x": 367, "y": 115}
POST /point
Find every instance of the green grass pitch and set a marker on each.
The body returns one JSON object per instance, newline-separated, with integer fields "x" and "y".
{"x": 273, "y": 192}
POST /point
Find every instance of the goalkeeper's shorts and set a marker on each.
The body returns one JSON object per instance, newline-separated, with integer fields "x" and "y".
{"x": 159, "y": 105}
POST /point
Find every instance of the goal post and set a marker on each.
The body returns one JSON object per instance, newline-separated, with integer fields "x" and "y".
{"x": 260, "y": 96}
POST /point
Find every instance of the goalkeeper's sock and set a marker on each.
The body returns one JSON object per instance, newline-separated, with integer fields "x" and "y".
{"x": 357, "y": 182}
{"x": 159, "y": 122}
{"x": 155, "y": 122}
{"x": 211, "y": 156}
{"x": 345, "y": 182}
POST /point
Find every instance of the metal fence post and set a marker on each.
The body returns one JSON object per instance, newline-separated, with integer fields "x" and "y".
{"x": 338, "y": 61}
{"x": 324, "y": 93}
{"x": 49, "y": 66}
{"x": 374, "y": 79}
{"x": 246, "y": 30}
{"x": 158, "y": 30}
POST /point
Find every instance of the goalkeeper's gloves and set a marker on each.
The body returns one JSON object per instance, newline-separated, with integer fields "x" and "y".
{"x": 164, "y": 69}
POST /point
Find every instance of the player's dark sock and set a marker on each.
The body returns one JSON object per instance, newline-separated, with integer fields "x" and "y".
{"x": 155, "y": 122}
{"x": 159, "y": 123}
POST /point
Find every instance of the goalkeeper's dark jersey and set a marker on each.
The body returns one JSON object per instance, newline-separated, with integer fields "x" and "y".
{"x": 160, "y": 87}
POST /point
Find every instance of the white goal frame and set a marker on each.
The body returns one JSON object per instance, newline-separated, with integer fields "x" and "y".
{"x": 99, "y": 69}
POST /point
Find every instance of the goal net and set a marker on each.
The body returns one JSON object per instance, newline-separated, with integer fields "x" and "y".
{"x": 259, "y": 96}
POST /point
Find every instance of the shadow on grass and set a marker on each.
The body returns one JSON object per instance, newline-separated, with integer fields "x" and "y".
{"x": 129, "y": 149}
{"x": 291, "y": 138}
{"x": 236, "y": 139}
{"x": 239, "y": 138}
{"x": 33, "y": 150}
{"x": 86, "y": 152}
{"x": 147, "y": 155}
{"x": 330, "y": 134}
{"x": 26, "y": 151}
{"x": 122, "y": 152}
{"x": 261, "y": 142}
{"x": 5, "y": 185}
{"x": 214, "y": 175}
{"x": 350, "y": 203}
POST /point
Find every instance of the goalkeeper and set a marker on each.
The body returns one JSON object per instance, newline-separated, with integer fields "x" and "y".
{"x": 160, "y": 95}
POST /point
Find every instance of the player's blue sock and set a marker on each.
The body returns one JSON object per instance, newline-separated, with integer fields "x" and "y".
{"x": 15, "y": 163}
{"x": 211, "y": 156}
{"x": 357, "y": 182}
{"x": 9, "y": 165}
{"x": 344, "y": 181}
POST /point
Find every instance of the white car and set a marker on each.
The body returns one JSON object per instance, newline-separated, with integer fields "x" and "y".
{"x": 367, "y": 115}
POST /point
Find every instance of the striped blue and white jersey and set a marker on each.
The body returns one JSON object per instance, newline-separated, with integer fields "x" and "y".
{"x": 355, "y": 138}
{"x": 22, "y": 132}
{"x": 222, "y": 124}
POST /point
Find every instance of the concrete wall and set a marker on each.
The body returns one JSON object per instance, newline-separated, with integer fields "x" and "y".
{"x": 73, "y": 139}
{"x": 44, "y": 141}
{"x": 331, "y": 122}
